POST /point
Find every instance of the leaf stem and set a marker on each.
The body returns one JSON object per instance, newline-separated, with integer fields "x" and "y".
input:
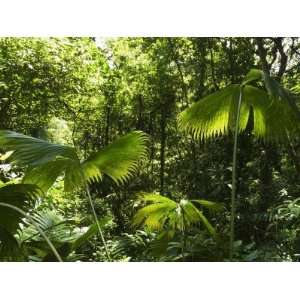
{"x": 97, "y": 222}
{"x": 233, "y": 187}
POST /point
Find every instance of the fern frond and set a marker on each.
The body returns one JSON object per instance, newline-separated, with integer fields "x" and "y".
{"x": 56, "y": 227}
{"x": 19, "y": 195}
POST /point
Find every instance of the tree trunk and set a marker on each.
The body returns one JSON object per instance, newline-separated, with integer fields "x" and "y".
{"x": 269, "y": 159}
{"x": 233, "y": 186}
{"x": 162, "y": 148}
{"x": 107, "y": 125}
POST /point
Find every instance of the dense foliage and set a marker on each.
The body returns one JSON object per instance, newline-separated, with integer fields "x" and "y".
{"x": 124, "y": 149}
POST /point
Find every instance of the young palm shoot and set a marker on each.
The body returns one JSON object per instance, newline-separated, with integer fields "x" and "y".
{"x": 162, "y": 213}
{"x": 275, "y": 117}
{"x": 46, "y": 161}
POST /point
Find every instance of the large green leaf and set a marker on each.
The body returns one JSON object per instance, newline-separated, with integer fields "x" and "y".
{"x": 29, "y": 151}
{"x": 118, "y": 160}
{"x": 215, "y": 114}
{"x": 46, "y": 161}
{"x": 154, "y": 214}
{"x": 162, "y": 213}
{"x": 253, "y": 75}
{"x": 46, "y": 174}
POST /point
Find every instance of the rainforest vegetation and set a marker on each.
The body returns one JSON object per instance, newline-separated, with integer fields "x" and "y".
{"x": 149, "y": 149}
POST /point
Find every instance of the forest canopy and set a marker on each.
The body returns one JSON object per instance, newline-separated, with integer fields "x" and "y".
{"x": 149, "y": 149}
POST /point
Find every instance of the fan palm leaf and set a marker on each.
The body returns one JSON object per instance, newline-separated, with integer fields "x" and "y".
{"x": 29, "y": 151}
{"x": 216, "y": 114}
{"x": 162, "y": 213}
{"x": 47, "y": 161}
{"x": 118, "y": 160}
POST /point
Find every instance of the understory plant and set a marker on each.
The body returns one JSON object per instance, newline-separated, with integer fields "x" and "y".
{"x": 260, "y": 100}
{"x": 16, "y": 200}
{"x": 45, "y": 162}
{"x": 168, "y": 217}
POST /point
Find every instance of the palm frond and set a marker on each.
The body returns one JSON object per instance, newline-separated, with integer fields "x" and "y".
{"x": 9, "y": 246}
{"x": 192, "y": 215}
{"x": 153, "y": 215}
{"x": 215, "y": 114}
{"x": 46, "y": 174}
{"x": 118, "y": 160}
{"x": 164, "y": 213}
{"x": 252, "y": 76}
{"x": 47, "y": 161}
{"x": 29, "y": 151}
{"x": 155, "y": 198}
{"x": 214, "y": 206}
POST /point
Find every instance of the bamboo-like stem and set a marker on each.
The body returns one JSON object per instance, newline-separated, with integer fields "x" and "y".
{"x": 22, "y": 212}
{"x": 97, "y": 222}
{"x": 233, "y": 186}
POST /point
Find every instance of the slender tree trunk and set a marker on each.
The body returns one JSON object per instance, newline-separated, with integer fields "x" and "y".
{"x": 180, "y": 71}
{"x": 233, "y": 187}
{"x": 293, "y": 154}
{"x": 140, "y": 123}
{"x": 116, "y": 206}
{"x": 162, "y": 148}
{"x": 269, "y": 158}
{"x": 183, "y": 237}
{"x": 97, "y": 222}
{"x": 107, "y": 125}
{"x": 195, "y": 173}
{"x": 212, "y": 65}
